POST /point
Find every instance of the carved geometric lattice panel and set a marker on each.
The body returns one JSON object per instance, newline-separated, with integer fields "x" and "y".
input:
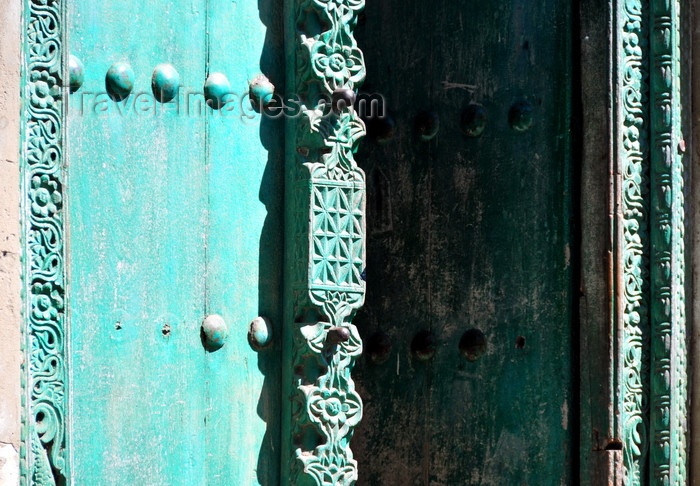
{"x": 337, "y": 236}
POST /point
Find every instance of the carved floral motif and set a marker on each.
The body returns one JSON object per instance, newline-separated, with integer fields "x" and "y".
{"x": 652, "y": 394}
{"x": 43, "y": 452}
{"x": 633, "y": 371}
{"x": 328, "y": 249}
{"x": 337, "y": 64}
{"x": 341, "y": 11}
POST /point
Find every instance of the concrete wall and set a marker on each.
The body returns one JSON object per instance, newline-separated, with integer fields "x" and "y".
{"x": 10, "y": 301}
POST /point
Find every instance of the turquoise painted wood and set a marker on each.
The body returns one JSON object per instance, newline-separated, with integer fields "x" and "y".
{"x": 174, "y": 213}
{"x": 244, "y": 248}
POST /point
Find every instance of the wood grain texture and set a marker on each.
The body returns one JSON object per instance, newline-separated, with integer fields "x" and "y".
{"x": 479, "y": 237}
{"x": 596, "y": 361}
{"x": 174, "y": 215}
{"x": 137, "y": 198}
{"x": 694, "y": 235}
{"x": 244, "y": 246}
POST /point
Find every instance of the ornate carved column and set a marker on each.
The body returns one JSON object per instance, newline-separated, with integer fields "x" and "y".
{"x": 325, "y": 255}
{"x": 44, "y": 454}
{"x": 651, "y": 390}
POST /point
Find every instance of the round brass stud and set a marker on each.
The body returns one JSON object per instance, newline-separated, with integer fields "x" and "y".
{"x": 261, "y": 91}
{"x": 214, "y": 331}
{"x": 217, "y": 90}
{"x": 76, "y": 73}
{"x": 424, "y": 345}
{"x": 427, "y": 125}
{"x": 472, "y": 345}
{"x": 260, "y": 333}
{"x": 342, "y": 99}
{"x": 119, "y": 81}
{"x": 520, "y": 116}
{"x": 338, "y": 335}
{"x": 379, "y": 347}
{"x": 473, "y": 121}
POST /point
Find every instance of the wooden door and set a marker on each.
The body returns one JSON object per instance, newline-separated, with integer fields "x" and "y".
{"x": 167, "y": 340}
{"x": 467, "y": 371}
{"x": 174, "y": 214}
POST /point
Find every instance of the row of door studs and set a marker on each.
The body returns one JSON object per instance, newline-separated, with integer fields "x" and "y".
{"x": 165, "y": 83}
{"x": 472, "y": 346}
{"x": 473, "y": 122}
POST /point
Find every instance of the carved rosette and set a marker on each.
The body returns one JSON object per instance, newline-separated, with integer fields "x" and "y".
{"x": 326, "y": 249}
{"x": 44, "y": 451}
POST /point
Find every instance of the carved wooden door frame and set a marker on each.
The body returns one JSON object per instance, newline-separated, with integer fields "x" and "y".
{"x": 651, "y": 357}
{"x": 325, "y": 244}
{"x": 634, "y": 407}
{"x": 44, "y": 453}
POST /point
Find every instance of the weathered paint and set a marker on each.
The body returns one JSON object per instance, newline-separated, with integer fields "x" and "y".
{"x": 433, "y": 466}
{"x": 469, "y": 234}
{"x": 44, "y": 449}
{"x": 650, "y": 336}
{"x": 175, "y": 214}
{"x": 245, "y": 246}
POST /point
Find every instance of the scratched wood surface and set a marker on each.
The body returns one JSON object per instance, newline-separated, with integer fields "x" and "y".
{"x": 172, "y": 216}
{"x": 468, "y": 233}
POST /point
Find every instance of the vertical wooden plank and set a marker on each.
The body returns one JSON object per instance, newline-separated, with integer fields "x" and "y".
{"x": 479, "y": 240}
{"x": 137, "y": 199}
{"x": 245, "y": 173}
{"x": 694, "y": 238}
{"x": 596, "y": 360}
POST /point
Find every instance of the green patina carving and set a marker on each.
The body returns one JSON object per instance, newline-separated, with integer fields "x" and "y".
{"x": 651, "y": 397}
{"x": 326, "y": 249}
{"x": 631, "y": 127}
{"x": 668, "y": 350}
{"x": 44, "y": 440}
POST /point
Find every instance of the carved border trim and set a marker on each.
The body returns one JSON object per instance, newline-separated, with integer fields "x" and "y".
{"x": 44, "y": 449}
{"x": 651, "y": 400}
{"x": 325, "y": 250}
{"x": 631, "y": 135}
{"x": 668, "y": 351}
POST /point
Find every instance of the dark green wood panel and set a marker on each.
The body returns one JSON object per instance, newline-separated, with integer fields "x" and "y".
{"x": 468, "y": 233}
